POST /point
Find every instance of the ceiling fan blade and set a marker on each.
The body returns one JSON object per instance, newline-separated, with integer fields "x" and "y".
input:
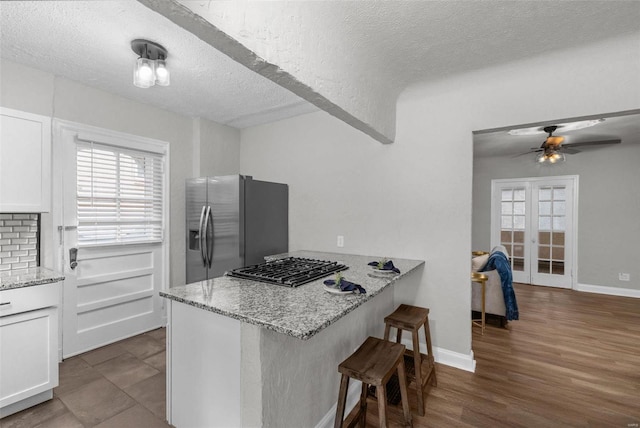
{"x": 568, "y": 150}
{"x": 526, "y": 153}
{"x": 593, "y": 143}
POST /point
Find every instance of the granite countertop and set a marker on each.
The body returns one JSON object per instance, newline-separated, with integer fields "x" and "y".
{"x": 300, "y": 312}
{"x": 28, "y": 277}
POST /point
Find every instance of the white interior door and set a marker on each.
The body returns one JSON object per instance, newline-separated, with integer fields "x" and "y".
{"x": 552, "y": 235}
{"x": 534, "y": 218}
{"x": 112, "y": 292}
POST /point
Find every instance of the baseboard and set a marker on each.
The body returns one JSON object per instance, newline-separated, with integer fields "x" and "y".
{"x": 458, "y": 360}
{"x": 353, "y": 396}
{"x": 448, "y": 358}
{"x": 612, "y": 291}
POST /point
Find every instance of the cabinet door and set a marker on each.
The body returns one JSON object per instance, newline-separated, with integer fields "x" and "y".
{"x": 25, "y": 162}
{"x": 28, "y": 354}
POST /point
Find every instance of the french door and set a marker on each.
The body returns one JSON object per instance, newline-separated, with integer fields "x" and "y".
{"x": 535, "y": 219}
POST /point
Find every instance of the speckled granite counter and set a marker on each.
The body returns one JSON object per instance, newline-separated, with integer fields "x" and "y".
{"x": 28, "y": 277}
{"x": 299, "y": 312}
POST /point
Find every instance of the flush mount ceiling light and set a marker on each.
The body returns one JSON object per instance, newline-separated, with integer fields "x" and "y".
{"x": 151, "y": 68}
{"x": 564, "y": 127}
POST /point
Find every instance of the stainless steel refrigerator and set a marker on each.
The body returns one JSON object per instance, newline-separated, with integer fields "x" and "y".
{"x": 233, "y": 221}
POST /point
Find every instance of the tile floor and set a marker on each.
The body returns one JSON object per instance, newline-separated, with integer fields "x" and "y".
{"x": 117, "y": 386}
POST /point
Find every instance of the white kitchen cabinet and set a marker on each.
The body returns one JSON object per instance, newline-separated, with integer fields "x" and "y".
{"x": 25, "y": 162}
{"x": 28, "y": 346}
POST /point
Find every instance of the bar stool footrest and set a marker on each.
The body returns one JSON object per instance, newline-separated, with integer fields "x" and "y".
{"x": 410, "y": 368}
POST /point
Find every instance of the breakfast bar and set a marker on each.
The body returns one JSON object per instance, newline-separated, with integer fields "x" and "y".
{"x": 247, "y": 353}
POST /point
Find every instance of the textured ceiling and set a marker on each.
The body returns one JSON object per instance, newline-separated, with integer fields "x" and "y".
{"x": 358, "y": 54}
{"x": 89, "y": 42}
{"x": 362, "y": 54}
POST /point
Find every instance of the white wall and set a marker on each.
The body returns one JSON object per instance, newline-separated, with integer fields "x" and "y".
{"x": 219, "y": 152}
{"x": 413, "y": 198}
{"x": 31, "y": 90}
{"x": 608, "y": 208}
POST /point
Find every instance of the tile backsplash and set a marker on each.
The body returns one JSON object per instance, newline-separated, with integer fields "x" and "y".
{"x": 19, "y": 241}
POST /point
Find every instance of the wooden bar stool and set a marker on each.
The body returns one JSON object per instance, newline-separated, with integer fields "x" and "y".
{"x": 373, "y": 363}
{"x": 412, "y": 318}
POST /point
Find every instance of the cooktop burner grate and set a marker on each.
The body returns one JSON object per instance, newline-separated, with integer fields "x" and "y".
{"x": 290, "y": 271}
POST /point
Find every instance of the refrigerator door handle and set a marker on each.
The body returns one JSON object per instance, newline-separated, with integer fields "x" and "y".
{"x": 201, "y": 237}
{"x": 209, "y": 221}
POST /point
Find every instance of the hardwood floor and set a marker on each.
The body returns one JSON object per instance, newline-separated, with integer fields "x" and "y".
{"x": 573, "y": 359}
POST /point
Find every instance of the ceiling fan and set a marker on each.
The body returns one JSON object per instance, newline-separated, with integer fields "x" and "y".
{"x": 553, "y": 150}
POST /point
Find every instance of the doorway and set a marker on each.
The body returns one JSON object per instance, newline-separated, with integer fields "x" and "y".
{"x": 113, "y": 237}
{"x": 535, "y": 220}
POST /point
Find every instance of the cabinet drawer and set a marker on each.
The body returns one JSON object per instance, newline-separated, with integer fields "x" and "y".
{"x": 24, "y": 299}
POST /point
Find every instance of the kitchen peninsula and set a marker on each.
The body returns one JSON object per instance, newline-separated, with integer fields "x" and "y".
{"x": 246, "y": 353}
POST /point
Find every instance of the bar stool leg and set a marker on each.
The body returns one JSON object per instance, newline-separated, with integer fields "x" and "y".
{"x": 417, "y": 362}
{"x": 363, "y": 405}
{"x": 342, "y": 399}
{"x": 381, "y": 394}
{"x": 427, "y": 335}
{"x": 387, "y": 329}
{"x": 404, "y": 394}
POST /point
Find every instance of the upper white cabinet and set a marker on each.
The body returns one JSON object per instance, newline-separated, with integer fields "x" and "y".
{"x": 25, "y": 162}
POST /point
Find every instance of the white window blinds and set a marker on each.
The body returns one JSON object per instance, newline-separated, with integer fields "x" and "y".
{"x": 119, "y": 194}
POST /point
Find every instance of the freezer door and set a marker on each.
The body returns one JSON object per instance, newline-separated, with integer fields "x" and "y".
{"x": 224, "y": 238}
{"x": 266, "y": 210}
{"x": 196, "y": 203}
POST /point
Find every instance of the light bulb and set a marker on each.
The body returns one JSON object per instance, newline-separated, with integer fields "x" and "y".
{"x": 143, "y": 74}
{"x": 162, "y": 74}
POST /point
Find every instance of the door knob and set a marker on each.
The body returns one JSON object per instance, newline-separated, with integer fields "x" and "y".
{"x": 73, "y": 258}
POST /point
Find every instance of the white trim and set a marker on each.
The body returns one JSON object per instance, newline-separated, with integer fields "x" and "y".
{"x": 118, "y": 139}
{"x": 611, "y": 291}
{"x": 447, "y": 357}
{"x": 458, "y": 360}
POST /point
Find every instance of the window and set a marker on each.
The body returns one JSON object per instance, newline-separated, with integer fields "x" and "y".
{"x": 119, "y": 194}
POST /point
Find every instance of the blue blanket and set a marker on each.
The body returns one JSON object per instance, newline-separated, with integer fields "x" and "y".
{"x": 499, "y": 261}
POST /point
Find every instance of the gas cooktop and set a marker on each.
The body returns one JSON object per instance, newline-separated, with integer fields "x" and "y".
{"x": 290, "y": 271}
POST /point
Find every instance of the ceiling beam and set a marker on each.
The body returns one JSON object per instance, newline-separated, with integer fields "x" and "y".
{"x": 223, "y": 42}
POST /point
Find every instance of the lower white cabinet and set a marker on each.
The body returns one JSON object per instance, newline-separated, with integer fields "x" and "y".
{"x": 28, "y": 346}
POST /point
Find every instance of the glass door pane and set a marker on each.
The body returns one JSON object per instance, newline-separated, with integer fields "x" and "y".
{"x": 513, "y": 225}
{"x": 551, "y": 229}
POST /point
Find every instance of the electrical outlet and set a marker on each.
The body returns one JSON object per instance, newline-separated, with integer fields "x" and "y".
{"x": 340, "y": 241}
{"x": 624, "y": 277}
